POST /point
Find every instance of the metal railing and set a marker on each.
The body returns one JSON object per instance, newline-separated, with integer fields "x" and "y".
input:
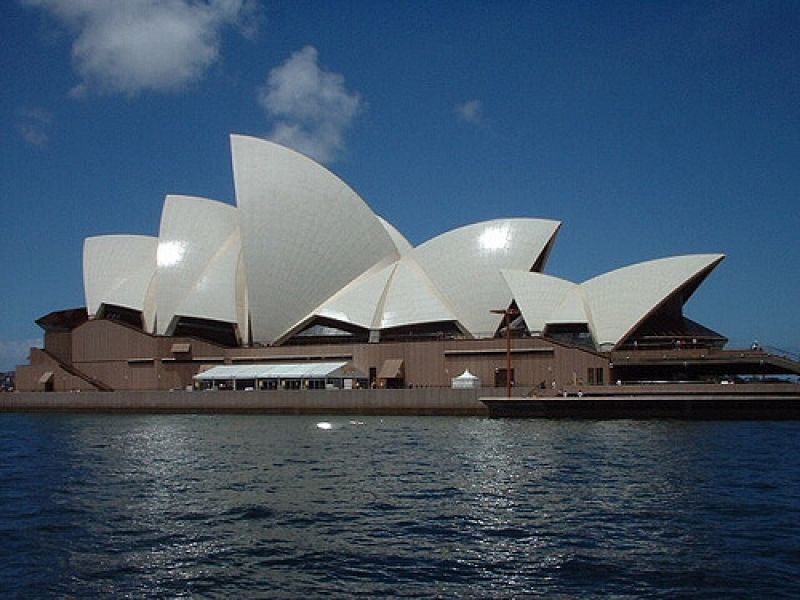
{"x": 784, "y": 353}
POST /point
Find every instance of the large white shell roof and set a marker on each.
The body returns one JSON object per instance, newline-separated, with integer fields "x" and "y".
{"x": 305, "y": 233}
{"x": 465, "y": 264}
{"x": 301, "y": 244}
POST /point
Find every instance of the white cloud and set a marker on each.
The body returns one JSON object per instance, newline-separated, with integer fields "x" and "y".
{"x": 33, "y": 125}
{"x": 130, "y": 46}
{"x": 15, "y": 352}
{"x": 310, "y": 107}
{"x": 470, "y": 111}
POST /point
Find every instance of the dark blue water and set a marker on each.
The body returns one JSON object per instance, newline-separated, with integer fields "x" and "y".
{"x": 260, "y": 506}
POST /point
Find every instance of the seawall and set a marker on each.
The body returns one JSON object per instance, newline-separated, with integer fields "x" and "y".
{"x": 689, "y": 402}
{"x": 418, "y": 401}
{"x": 637, "y": 402}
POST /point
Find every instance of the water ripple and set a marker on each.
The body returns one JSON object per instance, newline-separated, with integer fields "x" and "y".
{"x": 188, "y": 506}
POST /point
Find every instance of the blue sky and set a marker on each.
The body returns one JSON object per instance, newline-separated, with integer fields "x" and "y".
{"x": 649, "y": 129}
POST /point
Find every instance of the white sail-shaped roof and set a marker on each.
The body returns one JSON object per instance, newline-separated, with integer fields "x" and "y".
{"x": 412, "y": 298}
{"x": 619, "y": 300}
{"x": 539, "y": 297}
{"x": 359, "y": 301}
{"x": 118, "y": 270}
{"x": 464, "y": 264}
{"x": 305, "y": 234}
{"x": 572, "y": 309}
{"x": 302, "y": 245}
{"x": 198, "y": 254}
{"x": 394, "y": 296}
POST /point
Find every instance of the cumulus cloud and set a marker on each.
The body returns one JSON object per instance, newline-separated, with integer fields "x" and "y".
{"x": 130, "y": 46}
{"x": 311, "y": 108}
{"x": 470, "y": 111}
{"x": 33, "y": 125}
{"x": 15, "y": 352}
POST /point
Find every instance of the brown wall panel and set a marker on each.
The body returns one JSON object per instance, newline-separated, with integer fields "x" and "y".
{"x": 59, "y": 344}
{"x": 101, "y": 340}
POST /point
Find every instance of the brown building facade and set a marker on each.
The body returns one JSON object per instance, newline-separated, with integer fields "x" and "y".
{"x": 107, "y": 355}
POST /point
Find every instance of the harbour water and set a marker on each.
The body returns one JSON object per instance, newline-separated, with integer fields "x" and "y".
{"x": 287, "y": 507}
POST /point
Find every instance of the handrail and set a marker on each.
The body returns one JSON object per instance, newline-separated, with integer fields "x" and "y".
{"x": 784, "y": 353}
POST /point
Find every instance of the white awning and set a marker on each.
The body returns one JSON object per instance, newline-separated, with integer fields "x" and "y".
{"x": 46, "y": 377}
{"x": 306, "y": 370}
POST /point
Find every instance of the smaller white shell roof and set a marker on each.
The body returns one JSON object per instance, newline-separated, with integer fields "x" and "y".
{"x": 619, "y": 300}
{"x": 360, "y": 300}
{"x": 572, "y": 309}
{"x": 411, "y": 298}
{"x": 198, "y": 255}
{"x": 304, "y": 370}
{"x": 539, "y": 297}
{"x": 119, "y": 270}
{"x": 399, "y": 294}
{"x": 612, "y": 304}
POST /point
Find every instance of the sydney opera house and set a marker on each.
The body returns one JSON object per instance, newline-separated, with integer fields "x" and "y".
{"x": 302, "y": 285}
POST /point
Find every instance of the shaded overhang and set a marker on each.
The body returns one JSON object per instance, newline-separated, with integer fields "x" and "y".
{"x": 63, "y": 320}
{"x": 392, "y": 369}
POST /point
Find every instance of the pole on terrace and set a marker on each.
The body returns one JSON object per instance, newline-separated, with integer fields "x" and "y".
{"x": 507, "y": 314}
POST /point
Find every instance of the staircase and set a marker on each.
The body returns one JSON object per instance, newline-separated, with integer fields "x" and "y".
{"x": 100, "y": 385}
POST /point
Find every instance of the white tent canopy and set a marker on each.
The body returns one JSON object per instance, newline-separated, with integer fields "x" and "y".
{"x": 465, "y": 381}
{"x": 339, "y": 372}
